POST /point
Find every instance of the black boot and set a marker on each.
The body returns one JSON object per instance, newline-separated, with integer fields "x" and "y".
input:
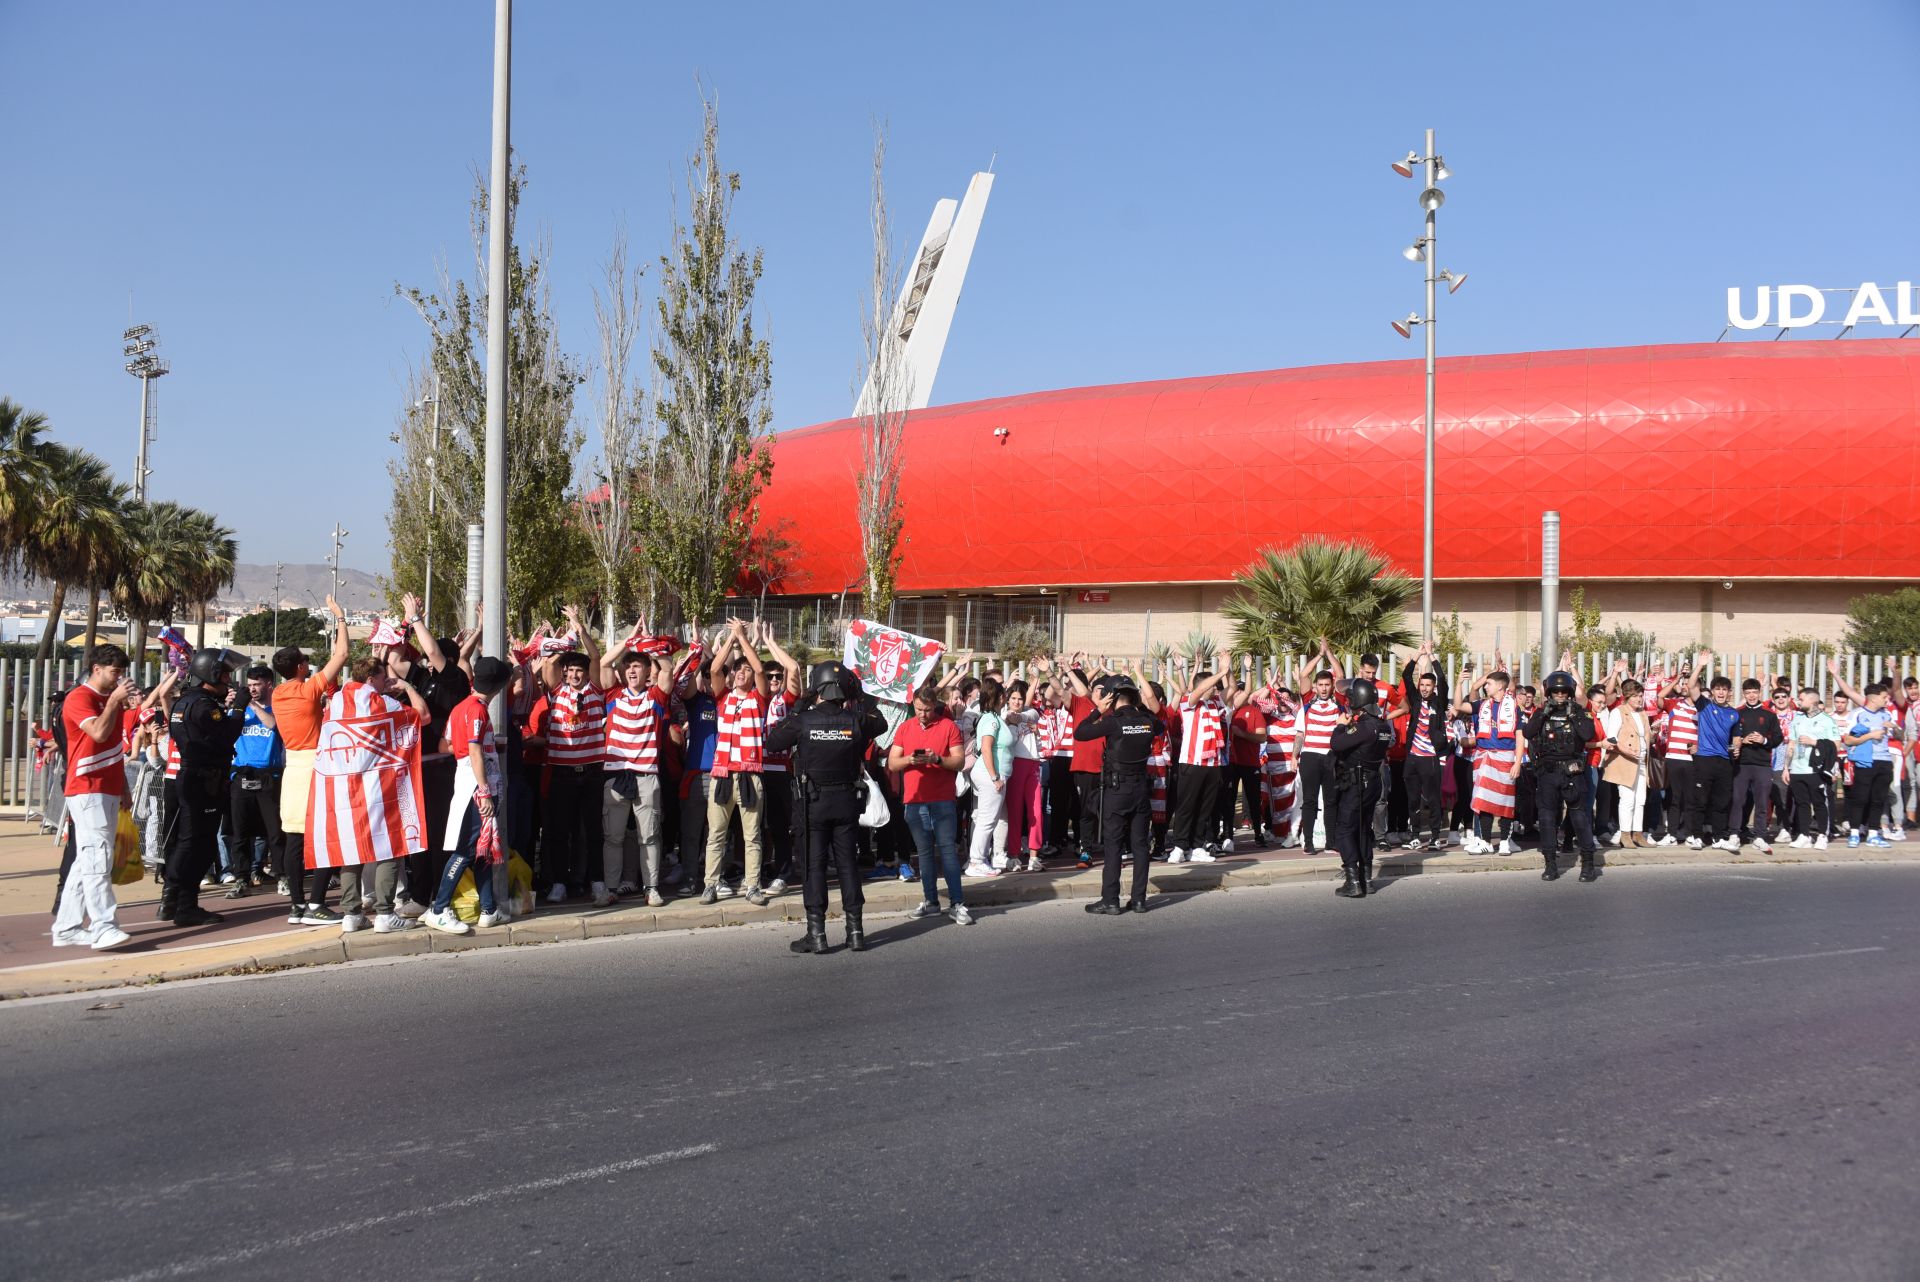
{"x": 856, "y": 934}
{"x": 188, "y": 912}
{"x": 169, "y": 902}
{"x": 1552, "y": 871}
{"x": 815, "y": 940}
{"x": 1349, "y": 887}
{"x": 1366, "y": 878}
{"x": 1589, "y": 866}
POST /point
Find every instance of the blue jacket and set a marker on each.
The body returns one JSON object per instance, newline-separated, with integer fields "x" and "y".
{"x": 1716, "y": 729}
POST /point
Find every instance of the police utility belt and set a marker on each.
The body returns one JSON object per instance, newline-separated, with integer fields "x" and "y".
{"x": 1576, "y": 766}
{"x": 1114, "y": 775}
{"x": 254, "y": 778}
{"x": 1348, "y": 776}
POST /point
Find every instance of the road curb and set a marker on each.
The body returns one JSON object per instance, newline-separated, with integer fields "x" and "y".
{"x": 882, "y": 897}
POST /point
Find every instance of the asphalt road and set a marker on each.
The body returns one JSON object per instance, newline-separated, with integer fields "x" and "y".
{"x": 1675, "y": 1073}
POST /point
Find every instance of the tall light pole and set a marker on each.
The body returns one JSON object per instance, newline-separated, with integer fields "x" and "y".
{"x": 139, "y": 345}
{"x": 493, "y": 637}
{"x": 1423, "y": 250}
{"x": 339, "y": 537}
{"x": 433, "y": 496}
{"x": 277, "y": 567}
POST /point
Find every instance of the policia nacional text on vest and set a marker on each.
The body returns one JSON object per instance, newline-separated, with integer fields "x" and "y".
{"x": 1558, "y": 737}
{"x": 204, "y": 727}
{"x": 1126, "y": 799}
{"x": 828, "y": 734}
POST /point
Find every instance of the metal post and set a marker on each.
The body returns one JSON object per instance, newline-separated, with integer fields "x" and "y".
{"x": 476, "y": 556}
{"x": 277, "y": 567}
{"x": 1549, "y": 589}
{"x": 1426, "y": 515}
{"x": 494, "y": 578}
{"x": 433, "y": 495}
{"x": 140, "y": 454}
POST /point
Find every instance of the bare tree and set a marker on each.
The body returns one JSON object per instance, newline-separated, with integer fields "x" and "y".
{"x": 887, "y": 389}
{"x": 618, "y": 407}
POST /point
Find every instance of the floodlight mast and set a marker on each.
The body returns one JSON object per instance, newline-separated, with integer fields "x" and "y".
{"x": 139, "y": 346}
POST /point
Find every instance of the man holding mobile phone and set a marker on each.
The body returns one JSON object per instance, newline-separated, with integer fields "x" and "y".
{"x": 928, "y": 751}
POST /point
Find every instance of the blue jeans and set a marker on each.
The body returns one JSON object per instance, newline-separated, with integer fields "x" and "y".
{"x": 934, "y": 825}
{"x": 460, "y": 861}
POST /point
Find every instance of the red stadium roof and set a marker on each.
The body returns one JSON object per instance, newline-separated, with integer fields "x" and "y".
{"x": 1740, "y": 460}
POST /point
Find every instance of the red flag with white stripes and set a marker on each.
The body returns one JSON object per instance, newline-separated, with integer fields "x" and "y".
{"x": 366, "y": 804}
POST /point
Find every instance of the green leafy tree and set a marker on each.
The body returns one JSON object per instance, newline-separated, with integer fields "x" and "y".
{"x": 548, "y": 561}
{"x": 77, "y": 532}
{"x": 1803, "y": 644}
{"x": 1884, "y": 622}
{"x": 1590, "y": 637}
{"x": 24, "y": 478}
{"x": 296, "y": 627}
{"x": 1451, "y": 636}
{"x": 1285, "y": 602}
{"x": 885, "y": 394}
{"x": 1022, "y": 642}
{"x": 711, "y": 456}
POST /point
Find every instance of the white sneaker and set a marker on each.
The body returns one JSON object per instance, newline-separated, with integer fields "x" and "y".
{"x": 1508, "y": 848}
{"x": 557, "y": 894}
{"x": 1760, "y": 844}
{"x": 492, "y": 919}
{"x": 1897, "y": 834}
{"x": 390, "y": 923}
{"x": 777, "y": 886}
{"x": 350, "y": 922}
{"x": 655, "y": 899}
{"x": 1201, "y": 857}
{"x": 1694, "y": 843}
{"x": 110, "y": 937}
{"x": 978, "y": 870}
{"x": 1820, "y": 842}
{"x": 1728, "y": 844}
{"x": 78, "y": 937}
{"x": 1802, "y": 842}
{"x": 722, "y": 890}
{"x": 446, "y": 919}
{"x": 600, "y": 896}
{"x": 409, "y": 909}
{"x": 999, "y": 863}
{"x": 960, "y": 915}
{"x": 1175, "y": 855}
{"x": 227, "y": 879}
{"x": 1291, "y": 843}
{"x": 1034, "y": 864}
{"x": 1668, "y": 840}
{"x": 1226, "y": 847}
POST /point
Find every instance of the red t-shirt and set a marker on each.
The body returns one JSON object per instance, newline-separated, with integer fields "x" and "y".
{"x": 1243, "y": 752}
{"x": 927, "y": 783}
{"x": 91, "y": 767}
{"x": 1088, "y": 754}
{"x": 469, "y": 725}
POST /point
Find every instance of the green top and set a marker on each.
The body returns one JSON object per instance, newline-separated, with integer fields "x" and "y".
{"x": 1814, "y": 725}
{"x": 992, "y": 724}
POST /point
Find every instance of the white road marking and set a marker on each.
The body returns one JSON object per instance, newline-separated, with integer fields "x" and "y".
{"x": 186, "y": 1268}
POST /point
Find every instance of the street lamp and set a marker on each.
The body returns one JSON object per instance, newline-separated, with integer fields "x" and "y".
{"x": 277, "y": 567}
{"x": 1422, "y": 251}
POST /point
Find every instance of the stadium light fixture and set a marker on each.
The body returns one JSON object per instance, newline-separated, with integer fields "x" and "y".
{"x": 1416, "y": 252}
{"x": 1404, "y": 328}
{"x": 1453, "y": 282}
{"x": 1405, "y": 167}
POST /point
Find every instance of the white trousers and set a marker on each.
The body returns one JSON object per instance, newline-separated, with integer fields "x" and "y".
{"x": 88, "y": 893}
{"x": 989, "y": 803}
{"x": 1633, "y": 802}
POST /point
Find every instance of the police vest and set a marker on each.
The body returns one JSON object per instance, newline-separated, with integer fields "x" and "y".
{"x": 1559, "y": 743}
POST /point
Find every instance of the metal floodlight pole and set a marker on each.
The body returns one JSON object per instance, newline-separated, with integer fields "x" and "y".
{"x": 139, "y": 347}
{"x": 433, "y": 495}
{"x": 494, "y": 518}
{"x": 1426, "y": 516}
{"x": 277, "y": 567}
{"x": 476, "y": 554}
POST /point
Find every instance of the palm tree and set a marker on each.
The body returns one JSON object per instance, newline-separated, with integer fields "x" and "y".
{"x": 150, "y": 579}
{"x": 75, "y": 529}
{"x": 24, "y": 478}
{"x": 1286, "y": 601}
{"x": 210, "y": 571}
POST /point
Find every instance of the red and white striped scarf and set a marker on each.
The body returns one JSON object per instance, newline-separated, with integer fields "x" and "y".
{"x": 1203, "y": 736}
{"x": 740, "y": 729}
{"x": 778, "y": 763}
{"x": 367, "y": 803}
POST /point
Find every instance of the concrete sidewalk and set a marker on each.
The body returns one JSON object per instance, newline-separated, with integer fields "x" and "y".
{"x": 255, "y": 935}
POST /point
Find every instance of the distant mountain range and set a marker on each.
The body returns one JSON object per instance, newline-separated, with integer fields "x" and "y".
{"x": 306, "y": 585}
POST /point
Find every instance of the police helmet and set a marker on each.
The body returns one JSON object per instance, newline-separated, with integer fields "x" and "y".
{"x": 208, "y": 667}
{"x": 830, "y": 681}
{"x": 1558, "y": 683}
{"x": 1362, "y": 695}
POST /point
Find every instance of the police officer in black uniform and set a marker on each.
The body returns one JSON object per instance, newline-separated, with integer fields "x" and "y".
{"x": 1126, "y": 796}
{"x": 1358, "y": 752}
{"x": 206, "y": 723}
{"x": 828, "y": 732}
{"x": 1558, "y": 738}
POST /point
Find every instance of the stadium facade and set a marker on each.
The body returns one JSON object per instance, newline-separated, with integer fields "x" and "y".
{"x": 1723, "y": 494}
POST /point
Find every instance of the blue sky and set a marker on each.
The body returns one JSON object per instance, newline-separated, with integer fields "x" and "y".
{"x": 1181, "y": 190}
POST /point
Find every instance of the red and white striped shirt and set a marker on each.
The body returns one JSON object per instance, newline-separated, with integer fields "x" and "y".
{"x": 778, "y": 763}
{"x": 1203, "y": 736}
{"x": 740, "y": 727}
{"x": 635, "y": 721}
{"x": 576, "y": 726}
{"x": 1318, "y": 719}
{"x": 1683, "y": 729}
{"x": 1055, "y": 733}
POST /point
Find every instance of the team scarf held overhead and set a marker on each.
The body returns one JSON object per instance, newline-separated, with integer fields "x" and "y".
{"x": 366, "y": 804}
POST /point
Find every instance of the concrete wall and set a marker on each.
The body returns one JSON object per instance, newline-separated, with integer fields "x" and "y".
{"x": 1746, "y": 618}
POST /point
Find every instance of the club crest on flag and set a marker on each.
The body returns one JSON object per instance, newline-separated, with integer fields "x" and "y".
{"x": 367, "y": 802}
{"x": 891, "y": 664}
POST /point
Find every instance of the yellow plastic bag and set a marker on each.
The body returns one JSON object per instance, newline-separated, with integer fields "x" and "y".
{"x": 127, "y": 868}
{"x": 466, "y": 899}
